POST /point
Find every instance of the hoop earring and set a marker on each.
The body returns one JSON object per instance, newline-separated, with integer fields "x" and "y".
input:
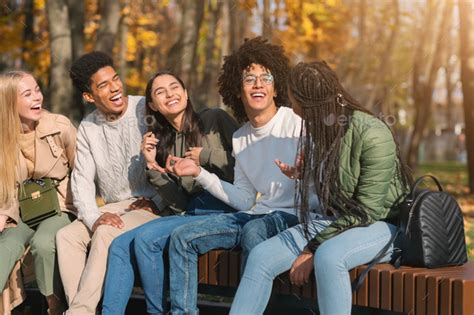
{"x": 340, "y": 100}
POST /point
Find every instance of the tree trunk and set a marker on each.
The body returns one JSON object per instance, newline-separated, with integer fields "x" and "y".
{"x": 277, "y": 14}
{"x": 193, "y": 68}
{"x": 467, "y": 79}
{"x": 266, "y": 20}
{"x": 230, "y": 20}
{"x": 449, "y": 70}
{"x": 211, "y": 67}
{"x": 379, "y": 92}
{"x": 60, "y": 86}
{"x": 122, "y": 58}
{"x": 423, "y": 81}
{"x": 346, "y": 67}
{"x": 28, "y": 31}
{"x": 109, "y": 24}
{"x": 235, "y": 20}
{"x": 76, "y": 21}
{"x": 180, "y": 56}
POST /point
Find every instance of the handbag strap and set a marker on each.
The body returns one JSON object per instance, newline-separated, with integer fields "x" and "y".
{"x": 360, "y": 279}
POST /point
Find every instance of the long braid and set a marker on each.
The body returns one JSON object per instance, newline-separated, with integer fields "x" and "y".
{"x": 323, "y": 101}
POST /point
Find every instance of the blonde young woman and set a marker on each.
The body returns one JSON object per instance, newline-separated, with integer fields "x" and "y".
{"x": 35, "y": 144}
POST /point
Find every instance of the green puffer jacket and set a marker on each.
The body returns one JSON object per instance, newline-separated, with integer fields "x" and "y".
{"x": 368, "y": 173}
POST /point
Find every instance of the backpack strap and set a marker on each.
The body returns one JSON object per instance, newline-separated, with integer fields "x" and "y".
{"x": 421, "y": 179}
{"x": 360, "y": 279}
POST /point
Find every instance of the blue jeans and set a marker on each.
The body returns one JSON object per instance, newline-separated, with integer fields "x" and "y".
{"x": 142, "y": 248}
{"x": 332, "y": 262}
{"x": 223, "y": 231}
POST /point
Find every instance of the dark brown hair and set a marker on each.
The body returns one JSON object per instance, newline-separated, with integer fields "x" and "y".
{"x": 164, "y": 131}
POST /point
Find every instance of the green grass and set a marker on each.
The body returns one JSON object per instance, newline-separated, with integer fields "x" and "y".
{"x": 453, "y": 176}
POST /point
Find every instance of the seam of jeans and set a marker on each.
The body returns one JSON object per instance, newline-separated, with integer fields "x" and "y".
{"x": 371, "y": 243}
{"x": 186, "y": 258}
{"x": 210, "y": 233}
{"x": 155, "y": 244}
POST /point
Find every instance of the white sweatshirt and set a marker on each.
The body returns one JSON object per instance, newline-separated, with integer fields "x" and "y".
{"x": 255, "y": 151}
{"x": 108, "y": 155}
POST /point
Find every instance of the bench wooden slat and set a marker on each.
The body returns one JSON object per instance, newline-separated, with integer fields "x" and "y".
{"x": 363, "y": 292}
{"x": 374, "y": 288}
{"x": 397, "y": 291}
{"x": 434, "y": 294}
{"x": 420, "y": 297}
{"x": 463, "y": 297}
{"x": 213, "y": 265}
{"x": 234, "y": 267}
{"x": 353, "y": 276}
{"x": 386, "y": 290}
{"x": 433, "y": 298}
{"x": 410, "y": 290}
{"x": 446, "y": 297}
{"x": 223, "y": 270}
{"x": 203, "y": 269}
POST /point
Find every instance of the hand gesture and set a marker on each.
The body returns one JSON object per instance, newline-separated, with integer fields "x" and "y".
{"x": 193, "y": 154}
{"x": 293, "y": 172}
{"x": 109, "y": 219}
{"x": 182, "y": 167}
{"x": 301, "y": 268}
{"x": 148, "y": 149}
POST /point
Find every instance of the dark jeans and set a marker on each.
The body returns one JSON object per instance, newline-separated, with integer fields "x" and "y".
{"x": 223, "y": 231}
{"x": 142, "y": 248}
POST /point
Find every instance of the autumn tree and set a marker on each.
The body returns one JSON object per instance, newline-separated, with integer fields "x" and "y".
{"x": 427, "y": 61}
{"x": 60, "y": 86}
{"x": 466, "y": 9}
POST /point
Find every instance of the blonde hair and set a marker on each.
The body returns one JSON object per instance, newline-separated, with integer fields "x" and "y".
{"x": 10, "y": 128}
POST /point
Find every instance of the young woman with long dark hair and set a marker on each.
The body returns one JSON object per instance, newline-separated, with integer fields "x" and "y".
{"x": 176, "y": 130}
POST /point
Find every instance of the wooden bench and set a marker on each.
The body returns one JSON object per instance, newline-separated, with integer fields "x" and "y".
{"x": 413, "y": 291}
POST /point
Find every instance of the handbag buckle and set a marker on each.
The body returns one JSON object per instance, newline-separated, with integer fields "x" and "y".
{"x": 35, "y": 194}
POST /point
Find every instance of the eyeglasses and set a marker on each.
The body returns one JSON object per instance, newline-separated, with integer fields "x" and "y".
{"x": 251, "y": 79}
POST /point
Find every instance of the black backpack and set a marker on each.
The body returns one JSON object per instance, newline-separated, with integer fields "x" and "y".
{"x": 430, "y": 233}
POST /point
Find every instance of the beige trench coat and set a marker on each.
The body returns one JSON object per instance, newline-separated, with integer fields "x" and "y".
{"x": 55, "y": 148}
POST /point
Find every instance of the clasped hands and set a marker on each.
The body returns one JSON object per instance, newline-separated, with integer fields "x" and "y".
{"x": 187, "y": 166}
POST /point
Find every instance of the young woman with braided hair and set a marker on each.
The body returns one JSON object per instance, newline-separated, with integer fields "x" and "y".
{"x": 350, "y": 159}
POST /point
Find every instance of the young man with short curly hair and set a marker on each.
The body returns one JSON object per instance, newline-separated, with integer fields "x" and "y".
{"x": 253, "y": 83}
{"x": 108, "y": 161}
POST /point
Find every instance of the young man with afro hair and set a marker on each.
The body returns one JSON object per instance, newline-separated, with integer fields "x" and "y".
{"x": 108, "y": 161}
{"x": 253, "y": 84}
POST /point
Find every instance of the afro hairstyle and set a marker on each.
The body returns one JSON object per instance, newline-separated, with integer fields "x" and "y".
{"x": 253, "y": 51}
{"x": 86, "y": 66}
